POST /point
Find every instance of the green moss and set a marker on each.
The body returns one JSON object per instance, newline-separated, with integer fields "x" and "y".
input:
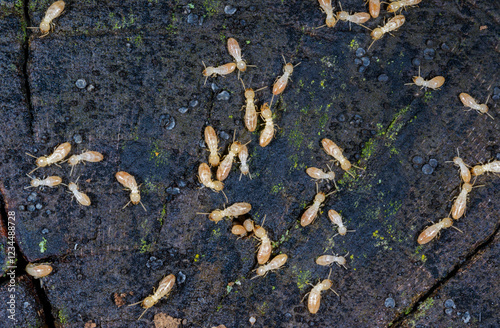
{"x": 43, "y": 245}
{"x": 63, "y": 316}
{"x": 277, "y": 188}
{"x": 296, "y": 137}
{"x": 303, "y": 278}
{"x": 212, "y": 7}
{"x": 158, "y": 155}
{"x": 163, "y": 214}
{"x": 427, "y": 96}
{"x": 422, "y": 308}
{"x": 145, "y": 247}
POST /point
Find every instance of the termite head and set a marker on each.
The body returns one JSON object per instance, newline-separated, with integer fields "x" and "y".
{"x": 467, "y": 187}
{"x": 44, "y": 27}
{"x": 266, "y": 112}
{"x": 236, "y": 147}
{"x": 327, "y": 284}
{"x": 73, "y": 160}
{"x": 42, "y": 161}
{"x": 217, "y": 186}
{"x": 35, "y": 182}
{"x": 260, "y": 232}
{"x": 477, "y": 170}
{"x": 457, "y": 161}
{"x": 135, "y": 197}
{"x": 343, "y": 15}
{"x": 241, "y": 65}
{"x": 377, "y": 33}
{"x": 345, "y": 165}
{"x": 320, "y": 197}
{"x": 418, "y": 80}
{"x": 249, "y": 93}
{"x": 483, "y": 108}
{"x": 447, "y": 222}
{"x": 342, "y": 230}
{"x": 72, "y": 186}
{"x": 288, "y": 68}
{"x": 261, "y": 271}
{"x": 209, "y": 71}
{"x": 214, "y": 160}
{"x": 330, "y": 21}
{"x": 216, "y": 215}
{"x": 148, "y": 302}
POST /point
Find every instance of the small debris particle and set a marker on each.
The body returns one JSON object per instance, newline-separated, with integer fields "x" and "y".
{"x": 39, "y": 206}
{"x": 224, "y": 95}
{"x": 183, "y": 110}
{"x": 161, "y": 320}
{"x": 252, "y": 320}
{"x": 167, "y": 121}
{"x": 90, "y": 88}
{"x": 466, "y": 317}
{"x": 483, "y": 27}
{"x": 45, "y": 231}
{"x": 173, "y": 190}
{"x": 215, "y": 87}
{"x": 154, "y": 263}
{"x": 181, "y": 277}
{"x": 448, "y": 311}
{"x": 90, "y": 324}
{"x": 366, "y": 61}
{"x": 449, "y": 304}
{"x": 383, "y": 78}
{"x": 119, "y": 299}
{"x": 192, "y": 19}
{"x": 427, "y": 169}
{"x": 77, "y": 138}
{"x": 81, "y": 83}
{"x": 220, "y": 326}
{"x": 389, "y": 302}
{"x": 193, "y": 103}
{"x": 230, "y": 10}
{"x": 360, "y": 52}
{"x": 224, "y": 135}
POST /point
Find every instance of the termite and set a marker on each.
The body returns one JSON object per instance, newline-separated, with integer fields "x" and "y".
{"x": 268, "y": 133}
{"x": 357, "y": 18}
{"x": 326, "y": 6}
{"x": 164, "y": 288}
{"x": 319, "y": 174}
{"x": 458, "y": 208}
{"x": 327, "y": 260}
{"x": 243, "y": 156}
{"x": 374, "y": 8}
{"x": 493, "y": 167}
{"x": 465, "y": 173}
{"x": 249, "y": 225}
{"x": 276, "y": 263}
{"x": 434, "y": 83}
{"x": 468, "y": 101}
{"x": 226, "y": 164}
{"x": 82, "y": 198}
{"x": 314, "y": 300}
{"x": 221, "y": 70}
{"x": 234, "y": 210}
{"x": 239, "y": 230}
{"x": 432, "y": 231}
{"x": 55, "y": 10}
{"x": 280, "y": 84}
{"x": 393, "y": 24}
{"x": 57, "y": 156}
{"x": 89, "y": 156}
{"x": 337, "y": 219}
{"x": 205, "y": 176}
{"x": 234, "y": 50}
{"x": 265, "y": 248}
{"x": 212, "y": 144}
{"x": 49, "y": 182}
{"x": 128, "y": 181}
{"x": 311, "y": 213}
{"x": 396, "y": 5}
{"x": 335, "y": 151}
{"x": 250, "y": 118}
{"x": 38, "y": 270}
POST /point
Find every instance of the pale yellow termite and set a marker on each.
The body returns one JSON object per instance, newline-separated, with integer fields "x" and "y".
{"x": 82, "y": 198}
{"x": 374, "y": 8}
{"x": 337, "y": 219}
{"x": 335, "y": 151}
{"x": 128, "y": 181}
{"x": 205, "y": 176}
{"x": 493, "y": 167}
{"x": 38, "y": 270}
{"x": 243, "y": 156}
{"x": 434, "y": 83}
{"x": 319, "y": 174}
{"x": 88, "y": 156}
{"x": 164, "y": 289}
{"x": 212, "y": 144}
{"x": 326, "y": 6}
{"x": 393, "y": 24}
{"x": 280, "y": 84}
{"x": 250, "y": 117}
{"x": 327, "y": 260}
{"x": 397, "y": 5}
{"x": 265, "y": 248}
{"x": 464, "y": 170}
{"x": 458, "y": 208}
{"x": 55, "y": 10}
{"x": 268, "y": 133}
{"x": 314, "y": 300}
{"x": 357, "y": 18}
{"x": 226, "y": 164}
{"x": 220, "y": 70}
{"x": 239, "y": 230}
{"x": 234, "y": 50}
{"x": 432, "y": 231}
{"x": 57, "y": 156}
{"x": 234, "y": 210}
{"x": 49, "y": 182}
{"x": 468, "y": 101}
{"x": 311, "y": 213}
{"x": 276, "y": 263}
{"x": 249, "y": 225}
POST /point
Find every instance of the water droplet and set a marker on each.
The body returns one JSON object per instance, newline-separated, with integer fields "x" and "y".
{"x": 389, "y": 302}
{"x": 224, "y": 95}
{"x": 81, "y": 83}
{"x": 427, "y": 169}
{"x": 230, "y": 10}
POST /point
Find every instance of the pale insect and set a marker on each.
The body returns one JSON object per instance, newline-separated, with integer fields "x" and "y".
{"x": 205, "y": 177}
{"x": 432, "y": 231}
{"x": 311, "y": 213}
{"x": 265, "y": 248}
{"x": 326, "y": 6}
{"x": 239, "y": 230}
{"x": 226, "y": 164}
{"x": 220, "y": 70}
{"x": 374, "y": 8}
{"x": 357, "y": 18}
{"x": 234, "y": 210}
{"x": 336, "y": 152}
{"x": 89, "y": 156}
{"x": 468, "y": 101}
{"x": 280, "y": 84}
{"x": 465, "y": 173}
{"x": 434, "y": 83}
{"x": 319, "y": 174}
{"x": 128, "y": 181}
{"x": 493, "y": 167}
{"x": 57, "y": 156}
{"x": 458, "y": 208}
{"x": 38, "y": 270}
{"x": 82, "y": 198}
{"x": 234, "y": 50}
{"x": 250, "y": 118}
{"x": 249, "y": 225}
{"x": 49, "y": 182}
{"x": 243, "y": 156}
{"x": 397, "y": 5}
{"x": 327, "y": 260}
{"x": 55, "y": 10}
{"x": 268, "y": 133}
{"x": 314, "y": 300}
{"x": 393, "y": 24}
{"x": 164, "y": 289}
{"x": 337, "y": 219}
{"x": 276, "y": 263}
{"x": 212, "y": 141}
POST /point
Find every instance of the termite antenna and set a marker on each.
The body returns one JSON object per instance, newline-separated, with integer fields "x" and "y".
{"x": 352, "y": 175}
{"x": 142, "y": 314}
{"x": 34, "y": 169}
{"x": 261, "y": 88}
{"x": 134, "y": 303}
{"x": 143, "y": 206}
{"x": 319, "y": 27}
{"x": 206, "y": 76}
{"x": 227, "y": 200}
{"x": 30, "y": 155}
{"x": 371, "y": 44}
{"x": 357, "y": 167}
{"x": 126, "y": 204}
